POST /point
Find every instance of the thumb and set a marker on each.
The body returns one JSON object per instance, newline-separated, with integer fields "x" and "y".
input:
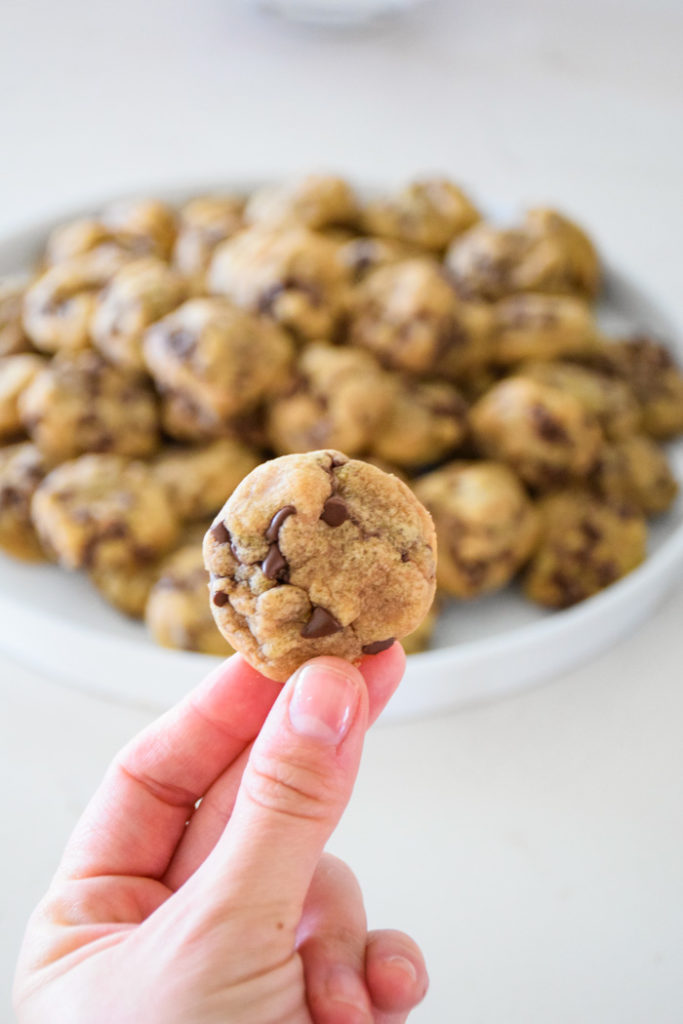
{"x": 294, "y": 789}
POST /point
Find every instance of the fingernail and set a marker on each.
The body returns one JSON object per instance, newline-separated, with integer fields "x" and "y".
{"x": 323, "y": 704}
{"x": 402, "y": 963}
{"x": 344, "y": 986}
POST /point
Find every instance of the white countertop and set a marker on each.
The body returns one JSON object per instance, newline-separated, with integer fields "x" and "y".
{"x": 533, "y": 847}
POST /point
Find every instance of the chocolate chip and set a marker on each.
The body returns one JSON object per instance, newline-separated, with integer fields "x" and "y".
{"x": 377, "y": 646}
{"x": 219, "y": 598}
{"x": 277, "y": 521}
{"x": 220, "y": 533}
{"x": 334, "y": 512}
{"x": 274, "y": 565}
{"x": 321, "y": 623}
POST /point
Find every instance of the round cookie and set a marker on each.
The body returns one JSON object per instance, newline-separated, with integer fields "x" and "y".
{"x": 292, "y": 276}
{"x": 585, "y": 545}
{"x": 486, "y": 525}
{"x": 610, "y": 400}
{"x": 410, "y": 318}
{"x": 22, "y": 467}
{"x": 635, "y": 471}
{"x": 13, "y": 340}
{"x": 178, "y": 613}
{"x": 534, "y": 326}
{"x": 102, "y": 511}
{"x": 428, "y": 214}
{"x": 223, "y": 360}
{"x": 360, "y": 256}
{"x": 317, "y": 201}
{"x": 146, "y": 226}
{"x": 16, "y": 373}
{"x": 547, "y": 253}
{"x": 126, "y": 587}
{"x": 544, "y": 434}
{"x": 318, "y": 554}
{"x": 339, "y": 400}
{"x": 427, "y": 420}
{"x": 58, "y": 305}
{"x": 199, "y": 479}
{"x": 204, "y": 223}
{"x": 139, "y": 293}
{"x": 80, "y": 403}
{"x": 86, "y": 235}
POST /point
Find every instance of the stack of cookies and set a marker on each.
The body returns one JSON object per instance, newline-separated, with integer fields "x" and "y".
{"x": 156, "y": 356}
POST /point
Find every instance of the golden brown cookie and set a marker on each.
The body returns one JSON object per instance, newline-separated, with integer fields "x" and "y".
{"x": 586, "y": 544}
{"x": 428, "y": 214}
{"x": 178, "y": 613}
{"x": 534, "y": 326}
{"x": 291, "y": 275}
{"x": 102, "y": 511}
{"x": 544, "y": 434}
{"x": 318, "y": 554}
{"x": 139, "y": 293}
{"x": 486, "y": 525}
{"x": 200, "y": 479}
{"x": 318, "y": 201}
{"x": 16, "y": 373}
{"x": 22, "y": 467}
{"x": 360, "y": 256}
{"x": 410, "y": 318}
{"x": 126, "y": 587}
{"x": 635, "y": 471}
{"x": 340, "y": 398}
{"x": 426, "y": 421}
{"x": 204, "y": 223}
{"x": 13, "y": 339}
{"x": 146, "y": 226}
{"x": 81, "y": 403}
{"x": 221, "y": 359}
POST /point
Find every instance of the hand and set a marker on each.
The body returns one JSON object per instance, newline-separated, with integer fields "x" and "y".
{"x": 171, "y": 909}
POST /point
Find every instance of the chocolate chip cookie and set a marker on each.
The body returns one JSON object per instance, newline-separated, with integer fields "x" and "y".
{"x": 81, "y": 403}
{"x": 13, "y": 339}
{"x": 635, "y": 471}
{"x": 22, "y": 467}
{"x": 221, "y": 359}
{"x": 102, "y": 511}
{"x": 178, "y": 613}
{"x": 428, "y": 214}
{"x": 291, "y": 275}
{"x": 545, "y": 435}
{"x": 585, "y": 545}
{"x": 199, "y": 479}
{"x": 425, "y": 423}
{"x": 16, "y": 373}
{"x": 204, "y": 223}
{"x": 139, "y": 293}
{"x": 534, "y": 326}
{"x": 360, "y": 255}
{"x": 486, "y": 525}
{"x": 317, "y": 201}
{"x": 318, "y": 554}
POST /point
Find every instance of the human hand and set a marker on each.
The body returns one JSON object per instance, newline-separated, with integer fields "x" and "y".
{"x": 165, "y": 912}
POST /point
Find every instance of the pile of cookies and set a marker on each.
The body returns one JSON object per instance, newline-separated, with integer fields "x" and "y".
{"x": 157, "y": 355}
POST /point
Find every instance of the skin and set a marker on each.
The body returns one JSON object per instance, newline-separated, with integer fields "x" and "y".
{"x": 174, "y": 914}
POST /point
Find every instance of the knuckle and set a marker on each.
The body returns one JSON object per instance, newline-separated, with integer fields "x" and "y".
{"x": 292, "y": 787}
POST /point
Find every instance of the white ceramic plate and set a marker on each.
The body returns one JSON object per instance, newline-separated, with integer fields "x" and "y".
{"x": 57, "y": 623}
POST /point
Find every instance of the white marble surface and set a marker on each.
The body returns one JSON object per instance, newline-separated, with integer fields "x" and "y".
{"x": 534, "y": 847}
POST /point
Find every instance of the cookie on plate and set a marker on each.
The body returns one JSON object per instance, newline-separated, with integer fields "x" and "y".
{"x": 16, "y": 373}
{"x": 22, "y": 467}
{"x": 540, "y": 327}
{"x": 203, "y": 223}
{"x": 317, "y": 201}
{"x": 428, "y": 214}
{"x": 13, "y": 339}
{"x": 426, "y": 421}
{"x": 635, "y": 471}
{"x": 319, "y": 554}
{"x": 199, "y": 479}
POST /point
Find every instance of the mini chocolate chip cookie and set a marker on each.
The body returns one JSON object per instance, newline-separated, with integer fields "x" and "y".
{"x": 139, "y": 293}
{"x": 318, "y": 201}
{"x": 609, "y": 399}
{"x": 59, "y": 304}
{"x": 102, "y": 511}
{"x": 222, "y": 359}
{"x": 22, "y": 467}
{"x": 410, "y": 318}
{"x": 13, "y": 339}
{"x": 359, "y": 256}
{"x": 428, "y": 214}
{"x": 126, "y": 587}
{"x": 546, "y": 435}
{"x": 178, "y": 613}
{"x": 486, "y": 525}
{"x": 290, "y": 275}
{"x": 80, "y": 403}
{"x": 585, "y": 545}
{"x": 426, "y": 421}
{"x": 198, "y": 480}
{"x": 147, "y": 227}
{"x": 318, "y": 554}
{"x": 339, "y": 399}
{"x": 16, "y": 373}
{"x": 534, "y": 326}
{"x": 204, "y": 223}
{"x": 634, "y": 470}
